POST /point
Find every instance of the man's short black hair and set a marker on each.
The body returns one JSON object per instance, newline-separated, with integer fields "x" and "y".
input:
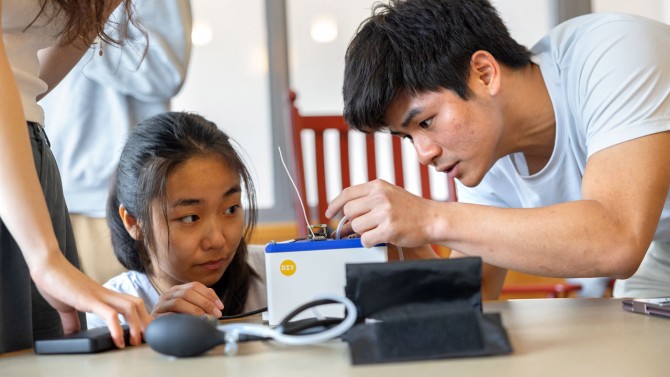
{"x": 413, "y": 46}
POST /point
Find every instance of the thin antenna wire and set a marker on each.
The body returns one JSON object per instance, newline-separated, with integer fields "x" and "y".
{"x": 281, "y": 157}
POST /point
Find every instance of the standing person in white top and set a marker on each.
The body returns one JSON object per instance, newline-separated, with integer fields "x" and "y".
{"x": 562, "y": 151}
{"x": 35, "y": 237}
{"x": 181, "y": 211}
{"x": 92, "y": 110}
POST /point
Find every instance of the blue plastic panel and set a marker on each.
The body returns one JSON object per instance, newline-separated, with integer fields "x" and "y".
{"x": 309, "y": 245}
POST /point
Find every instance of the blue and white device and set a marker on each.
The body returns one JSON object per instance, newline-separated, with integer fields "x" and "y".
{"x": 299, "y": 271}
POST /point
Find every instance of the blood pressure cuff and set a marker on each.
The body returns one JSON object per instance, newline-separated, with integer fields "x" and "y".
{"x": 420, "y": 310}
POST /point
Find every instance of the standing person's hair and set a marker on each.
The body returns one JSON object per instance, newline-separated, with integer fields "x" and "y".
{"x": 85, "y": 20}
{"x": 155, "y": 148}
{"x": 413, "y": 46}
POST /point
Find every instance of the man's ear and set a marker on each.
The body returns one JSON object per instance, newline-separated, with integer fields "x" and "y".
{"x": 130, "y": 223}
{"x": 485, "y": 70}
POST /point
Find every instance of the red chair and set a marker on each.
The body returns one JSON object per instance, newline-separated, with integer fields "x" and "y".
{"x": 322, "y": 123}
{"x": 533, "y": 290}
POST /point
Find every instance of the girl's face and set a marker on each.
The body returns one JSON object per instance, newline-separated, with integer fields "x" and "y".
{"x": 205, "y": 221}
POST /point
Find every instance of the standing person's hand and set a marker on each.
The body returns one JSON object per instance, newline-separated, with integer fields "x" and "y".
{"x": 68, "y": 290}
{"x": 383, "y": 212}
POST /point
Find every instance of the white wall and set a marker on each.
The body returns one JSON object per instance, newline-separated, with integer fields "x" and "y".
{"x": 654, "y": 9}
{"x": 527, "y": 20}
{"x": 228, "y": 82}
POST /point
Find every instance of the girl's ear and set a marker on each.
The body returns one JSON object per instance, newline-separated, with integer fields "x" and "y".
{"x": 130, "y": 223}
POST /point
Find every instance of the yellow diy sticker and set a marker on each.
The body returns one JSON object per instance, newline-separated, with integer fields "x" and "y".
{"x": 287, "y": 267}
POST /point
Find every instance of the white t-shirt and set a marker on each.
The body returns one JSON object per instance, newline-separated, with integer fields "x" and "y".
{"x": 609, "y": 82}
{"x": 137, "y": 284}
{"x": 22, "y": 45}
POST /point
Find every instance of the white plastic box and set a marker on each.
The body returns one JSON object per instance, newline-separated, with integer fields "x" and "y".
{"x": 298, "y": 272}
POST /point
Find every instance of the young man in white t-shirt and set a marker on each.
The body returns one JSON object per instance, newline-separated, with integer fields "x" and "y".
{"x": 561, "y": 151}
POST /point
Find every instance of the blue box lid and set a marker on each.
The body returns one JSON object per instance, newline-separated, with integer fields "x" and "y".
{"x": 309, "y": 245}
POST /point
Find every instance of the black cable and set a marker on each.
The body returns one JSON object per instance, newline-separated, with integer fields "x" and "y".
{"x": 298, "y": 327}
{"x": 308, "y": 325}
{"x": 242, "y": 315}
{"x": 304, "y": 307}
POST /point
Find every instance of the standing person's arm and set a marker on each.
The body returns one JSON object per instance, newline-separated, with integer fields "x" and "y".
{"x": 24, "y": 211}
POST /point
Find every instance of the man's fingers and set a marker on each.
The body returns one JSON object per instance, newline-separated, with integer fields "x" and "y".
{"x": 346, "y": 196}
{"x": 343, "y": 231}
{"x": 372, "y": 237}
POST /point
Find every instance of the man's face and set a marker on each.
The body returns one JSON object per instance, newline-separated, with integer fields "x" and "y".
{"x": 458, "y": 137}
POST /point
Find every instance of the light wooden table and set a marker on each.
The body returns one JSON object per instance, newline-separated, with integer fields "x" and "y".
{"x": 551, "y": 337}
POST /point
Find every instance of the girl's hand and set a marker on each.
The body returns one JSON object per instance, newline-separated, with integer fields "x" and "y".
{"x": 190, "y": 298}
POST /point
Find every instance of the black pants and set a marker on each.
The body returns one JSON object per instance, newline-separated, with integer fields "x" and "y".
{"x": 24, "y": 314}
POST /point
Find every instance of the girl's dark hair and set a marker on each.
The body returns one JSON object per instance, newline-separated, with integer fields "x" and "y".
{"x": 85, "y": 20}
{"x": 414, "y": 46}
{"x": 156, "y": 147}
